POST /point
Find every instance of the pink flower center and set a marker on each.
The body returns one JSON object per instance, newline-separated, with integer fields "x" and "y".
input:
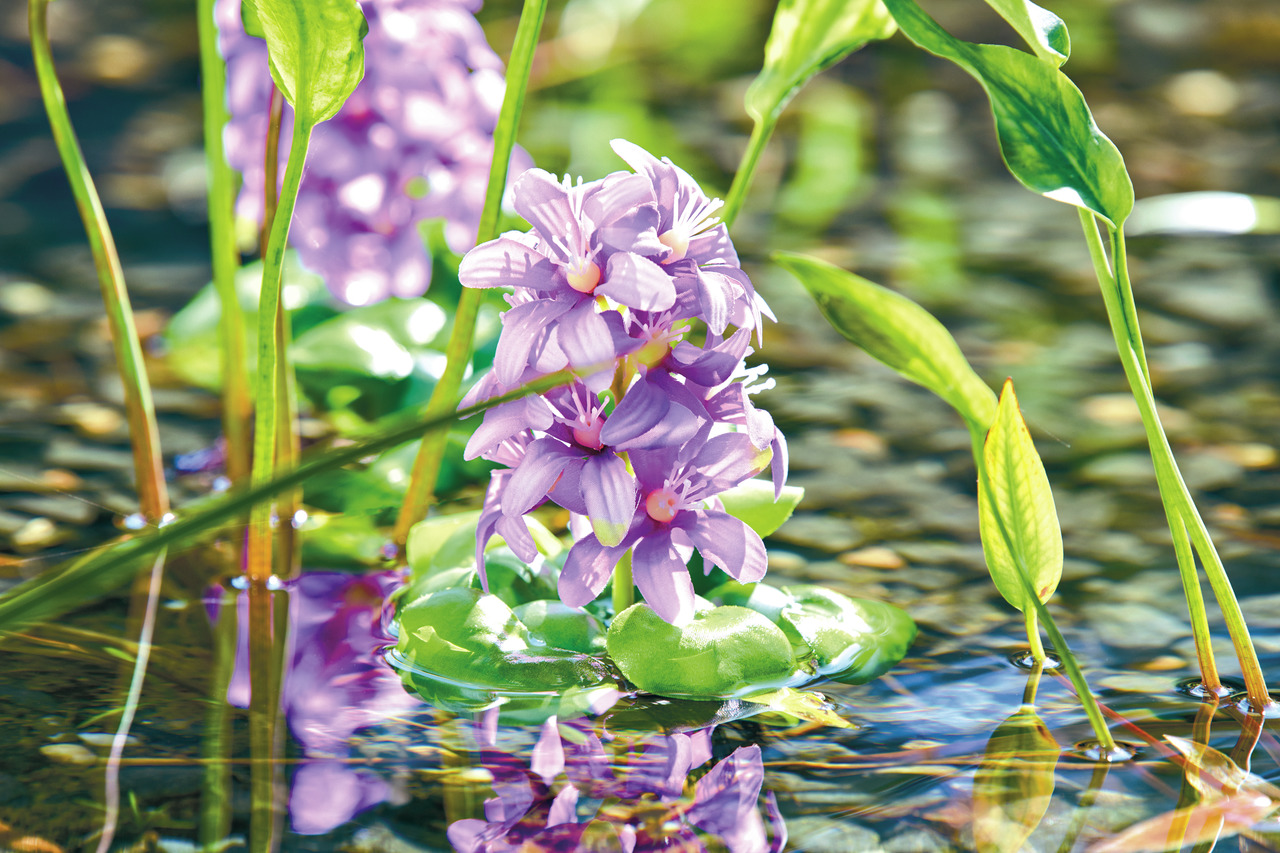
{"x": 677, "y": 240}
{"x": 589, "y": 435}
{"x": 662, "y": 504}
{"x": 583, "y": 276}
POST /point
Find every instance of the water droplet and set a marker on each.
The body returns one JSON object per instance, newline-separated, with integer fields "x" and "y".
{"x": 134, "y": 521}
{"x": 1092, "y": 750}
{"x": 240, "y": 582}
{"x": 167, "y": 519}
{"x": 1024, "y": 659}
{"x": 220, "y": 484}
{"x": 1197, "y": 689}
{"x": 300, "y": 518}
{"x": 1241, "y": 701}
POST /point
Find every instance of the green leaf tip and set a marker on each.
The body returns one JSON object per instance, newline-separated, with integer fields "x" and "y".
{"x": 807, "y": 37}
{"x": 898, "y": 332}
{"x": 1016, "y": 514}
{"x": 1043, "y": 31}
{"x": 1047, "y": 135}
{"x": 315, "y": 49}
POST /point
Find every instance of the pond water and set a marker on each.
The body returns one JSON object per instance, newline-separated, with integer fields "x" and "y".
{"x": 889, "y": 511}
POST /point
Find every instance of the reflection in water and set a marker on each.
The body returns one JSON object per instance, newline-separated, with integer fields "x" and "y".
{"x": 335, "y": 684}
{"x": 632, "y": 795}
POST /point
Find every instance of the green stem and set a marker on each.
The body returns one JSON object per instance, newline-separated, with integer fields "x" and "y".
{"x": 237, "y": 407}
{"x": 215, "y": 796}
{"x": 426, "y": 466}
{"x": 1117, "y": 295}
{"x": 624, "y": 589}
{"x": 1195, "y": 604}
{"x": 264, "y": 720}
{"x": 1033, "y": 636}
{"x": 746, "y": 169}
{"x": 153, "y": 495}
{"x": 265, "y": 413}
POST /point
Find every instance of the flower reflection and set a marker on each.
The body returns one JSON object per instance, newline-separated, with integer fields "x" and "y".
{"x": 335, "y": 683}
{"x": 572, "y": 796}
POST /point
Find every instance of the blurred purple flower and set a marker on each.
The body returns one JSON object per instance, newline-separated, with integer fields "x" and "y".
{"x": 413, "y": 142}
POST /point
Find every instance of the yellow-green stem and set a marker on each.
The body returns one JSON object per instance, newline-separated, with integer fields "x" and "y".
{"x": 264, "y": 702}
{"x": 756, "y": 145}
{"x": 624, "y": 590}
{"x": 426, "y": 466}
{"x": 1033, "y": 685}
{"x": 268, "y": 389}
{"x": 1033, "y": 637}
{"x": 215, "y": 791}
{"x": 237, "y": 407}
{"x": 153, "y": 496}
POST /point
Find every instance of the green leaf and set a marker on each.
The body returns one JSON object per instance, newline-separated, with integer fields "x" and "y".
{"x": 722, "y": 652}
{"x": 854, "y": 640}
{"x": 1041, "y": 29}
{"x": 316, "y": 52}
{"x": 1014, "y": 784}
{"x": 752, "y": 502}
{"x": 559, "y": 626}
{"x": 802, "y": 705}
{"x": 896, "y": 331}
{"x": 807, "y": 37}
{"x": 1016, "y": 513}
{"x": 1047, "y": 136}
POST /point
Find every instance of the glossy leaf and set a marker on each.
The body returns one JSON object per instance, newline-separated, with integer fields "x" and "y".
{"x": 802, "y": 705}
{"x": 1041, "y": 29}
{"x": 896, "y": 331}
{"x": 807, "y": 37}
{"x": 720, "y": 653}
{"x": 1016, "y": 513}
{"x": 559, "y": 626}
{"x": 1047, "y": 135}
{"x": 752, "y": 502}
{"x": 316, "y": 52}
{"x": 1014, "y": 784}
{"x": 1214, "y": 774}
{"x": 853, "y": 640}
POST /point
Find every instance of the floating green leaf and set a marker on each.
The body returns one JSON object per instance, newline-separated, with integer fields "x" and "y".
{"x": 1014, "y": 784}
{"x": 1047, "y": 136}
{"x": 896, "y": 331}
{"x": 720, "y": 653}
{"x": 1041, "y": 29}
{"x": 802, "y": 705}
{"x": 1016, "y": 513}
{"x": 752, "y": 502}
{"x": 316, "y": 52}
{"x": 854, "y": 640}
{"x": 560, "y": 626}
{"x": 807, "y": 37}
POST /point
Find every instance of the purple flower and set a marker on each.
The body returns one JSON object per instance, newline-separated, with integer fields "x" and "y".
{"x": 672, "y": 521}
{"x": 413, "y": 142}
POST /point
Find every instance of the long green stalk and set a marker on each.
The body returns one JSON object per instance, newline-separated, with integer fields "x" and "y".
{"x": 153, "y": 495}
{"x": 756, "y": 145}
{"x": 266, "y": 417}
{"x": 215, "y": 750}
{"x": 237, "y": 407}
{"x": 426, "y": 467}
{"x": 1117, "y": 295}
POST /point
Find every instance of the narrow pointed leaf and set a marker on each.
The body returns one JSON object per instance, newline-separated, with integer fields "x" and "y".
{"x": 316, "y": 52}
{"x": 1047, "y": 135}
{"x": 1014, "y": 784}
{"x": 1016, "y": 513}
{"x": 807, "y": 37}
{"x": 1041, "y": 29}
{"x": 896, "y": 331}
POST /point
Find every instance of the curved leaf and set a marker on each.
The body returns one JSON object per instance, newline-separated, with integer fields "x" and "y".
{"x": 1047, "y": 136}
{"x": 752, "y": 503}
{"x": 1014, "y": 784}
{"x": 854, "y": 640}
{"x": 896, "y": 331}
{"x": 1041, "y": 29}
{"x": 1016, "y": 513}
{"x": 807, "y": 37}
{"x": 316, "y": 52}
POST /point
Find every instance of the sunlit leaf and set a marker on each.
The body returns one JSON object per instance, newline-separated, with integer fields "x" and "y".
{"x": 1016, "y": 513}
{"x": 1040, "y": 28}
{"x": 1014, "y": 784}
{"x": 808, "y": 36}
{"x": 898, "y": 332}
{"x": 1047, "y": 135}
{"x": 803, "y": 705}
{"x": 752, "y": 502}
{"x": 560, "y": 626}
{"x": 721, "y": 652}
{"x": 1204, "y": 822}
{"x": 1214, "y": 774}
{"x": 316, "y": 52}
{"x": 854, "y": 640}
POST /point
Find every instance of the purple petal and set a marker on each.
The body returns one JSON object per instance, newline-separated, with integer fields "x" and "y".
{"x": 652, "y": 466}
{"x": 543, "y": 463}
{"x": 663, "y": 579}
{"x": 544, "y": 203}
{"x": 617, "y": 195}
{"x": 726, "y": 460}
{"x": 715, "y": 292}
{"x": 779, "y": 463}
{"x": 509, "y": 419}
{"x": 564, "y": 808}
{"x": 585, "y": 338}
{"x": 548, "y": 752}
{"x": 636, "y": 232}
{"x": 587, "y": 570}
{"x": 609, "y": 491}
{"x": 713, "y": 245}
{"x": 642, "y": 408}
{"x": 728, "y": 543}
{"x": 638, "y": 283}
{"x": 516, "y": 534}
{"x": 676, "y": 427}
{"x": 567, "y": 492}
{"x": 725, "y": 801}
{"x": 521, "y": 328}
{"x": 506, "y": 262}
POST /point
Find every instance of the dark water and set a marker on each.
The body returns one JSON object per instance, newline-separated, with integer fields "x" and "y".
{"x": 889, "y": 511}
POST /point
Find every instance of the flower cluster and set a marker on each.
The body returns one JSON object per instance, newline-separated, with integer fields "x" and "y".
{"x": 413, "y": 142}
{"x": 633, "y": 283}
